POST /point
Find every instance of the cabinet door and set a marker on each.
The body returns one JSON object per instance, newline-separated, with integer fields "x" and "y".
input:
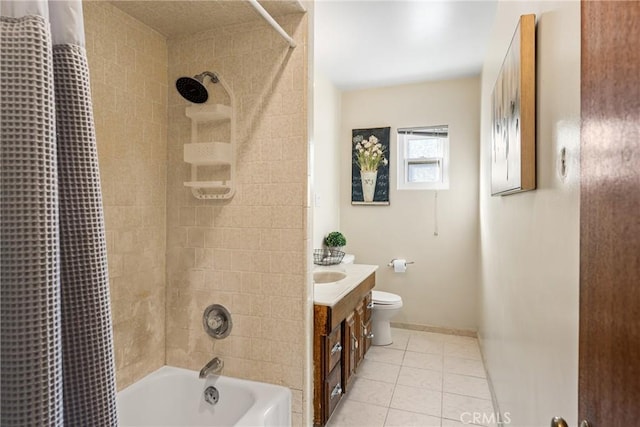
{"x": 359, "y": 320}
{"x": 333, "y": 349}
{"x": 333, "y": 391}
{"x": 367, "y": 337}
{"x": 368, "y": 306}
{"x": 351, "y": 348}
{"x": 367, "y": 334}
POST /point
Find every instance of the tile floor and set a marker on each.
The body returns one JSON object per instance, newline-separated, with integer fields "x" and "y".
{"x": 422, "y": 379}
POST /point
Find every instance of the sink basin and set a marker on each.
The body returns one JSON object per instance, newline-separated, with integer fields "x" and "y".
{"x": 328, "y": 276}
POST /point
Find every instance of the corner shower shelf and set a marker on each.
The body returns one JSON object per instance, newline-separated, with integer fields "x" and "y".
{"x": 215, "y": 154}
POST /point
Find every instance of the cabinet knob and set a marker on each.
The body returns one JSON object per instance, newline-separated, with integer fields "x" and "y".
{"x": 336, "y": 349}
{"x": 337, "y": 390}
{"x": 366, "y": 332}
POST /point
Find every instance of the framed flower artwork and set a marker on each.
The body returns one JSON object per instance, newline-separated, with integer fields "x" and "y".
{"x": 370, "y": 166}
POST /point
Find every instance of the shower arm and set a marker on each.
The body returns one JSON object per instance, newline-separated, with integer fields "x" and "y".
{"x": 200, "y": 77}
{"x": 261, "y": 10}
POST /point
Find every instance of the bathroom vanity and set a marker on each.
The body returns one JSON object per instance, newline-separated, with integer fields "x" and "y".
{"x": 342, "y": 333}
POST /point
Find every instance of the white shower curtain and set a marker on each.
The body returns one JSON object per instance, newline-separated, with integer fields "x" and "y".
{"x": 56, "y": 350}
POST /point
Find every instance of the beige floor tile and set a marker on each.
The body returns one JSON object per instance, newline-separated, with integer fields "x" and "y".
{"x": 434, "y": 336}
{"x": 378, "y": 371}
{"x": 469, "y": 350}
{"x": 372, "y": 392}
{"x": 352, "y": 413}
{"x": 416, "y": 380}
{"x": 385, "y": 355}
{"x": 421, "y": 378}
{"x": 423, "y": 360}
{"x": 466, "y": 385}
{"x": 465, "y": 408}
{"x": 420, "y": 400}
{"x": 457, "y": 365}
{"x": 398, "y": 418}
{"x": 446, "y": 422}
{"x": 423, "y": 343}
{"x": 400, "y": 339}
{"x": 452, "y": 423}
{"x": 460, "y": 339}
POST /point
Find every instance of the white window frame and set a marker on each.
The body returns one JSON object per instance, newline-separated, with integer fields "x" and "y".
{"x": 403, "y": 162}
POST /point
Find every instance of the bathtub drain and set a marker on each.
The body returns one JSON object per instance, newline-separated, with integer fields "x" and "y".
{"x": 211, "y": 395}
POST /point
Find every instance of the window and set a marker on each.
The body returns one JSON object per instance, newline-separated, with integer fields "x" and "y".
{"x": 423, "y": 158}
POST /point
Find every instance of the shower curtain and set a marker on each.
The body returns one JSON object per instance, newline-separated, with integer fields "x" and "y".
{"x": 56, "y": 350}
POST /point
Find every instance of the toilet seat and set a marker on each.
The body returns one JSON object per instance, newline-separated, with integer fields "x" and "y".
{"x": 385, "y": 300}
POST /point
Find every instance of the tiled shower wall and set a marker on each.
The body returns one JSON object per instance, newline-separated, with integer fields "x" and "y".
{"x": 247, "y": 253}
{"x": 128, "y": 71}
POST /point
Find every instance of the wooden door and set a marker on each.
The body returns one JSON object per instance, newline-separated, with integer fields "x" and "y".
{"x": 609, "y": 372}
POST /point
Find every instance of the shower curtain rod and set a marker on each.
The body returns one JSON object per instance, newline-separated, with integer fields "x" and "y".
{"x": 258, "y": 7}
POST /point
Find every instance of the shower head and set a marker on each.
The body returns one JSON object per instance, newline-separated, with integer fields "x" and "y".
{"x": 192, "y": 88}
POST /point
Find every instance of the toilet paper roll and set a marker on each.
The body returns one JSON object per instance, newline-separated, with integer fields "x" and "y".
{"x": 399, "y": 265}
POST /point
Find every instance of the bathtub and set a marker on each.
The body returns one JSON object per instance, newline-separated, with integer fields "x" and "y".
{"x": 175, "y": 397}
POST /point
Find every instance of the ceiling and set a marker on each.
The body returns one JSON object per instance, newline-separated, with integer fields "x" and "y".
{"x": 360, "y": 44}
{"x": 180, "y": 18}
{"x": 357, "y": 43}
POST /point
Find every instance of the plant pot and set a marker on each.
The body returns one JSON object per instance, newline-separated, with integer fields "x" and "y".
{"x": 368, "y": 184}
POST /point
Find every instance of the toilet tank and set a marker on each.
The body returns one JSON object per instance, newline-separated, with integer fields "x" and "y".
{"x": 348, "y": 259}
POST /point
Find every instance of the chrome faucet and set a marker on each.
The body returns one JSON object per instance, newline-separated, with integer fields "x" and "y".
{"x": 214, "y": 367}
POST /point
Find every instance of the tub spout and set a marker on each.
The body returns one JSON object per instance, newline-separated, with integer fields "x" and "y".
{"x": 214, "y": 367}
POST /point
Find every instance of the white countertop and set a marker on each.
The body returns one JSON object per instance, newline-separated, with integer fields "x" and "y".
{"x": 330, "y": 293}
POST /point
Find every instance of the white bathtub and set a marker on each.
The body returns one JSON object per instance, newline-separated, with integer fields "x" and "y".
{"x": 175, "y": 397}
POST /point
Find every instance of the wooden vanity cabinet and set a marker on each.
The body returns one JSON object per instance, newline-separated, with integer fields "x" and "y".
{"x": 340, "y": 342}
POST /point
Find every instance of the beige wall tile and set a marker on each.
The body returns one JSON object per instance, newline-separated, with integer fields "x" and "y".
{"x": 133, "y": 187}
{"x": 258, "y": 237}
{"x": 247, "y": 253}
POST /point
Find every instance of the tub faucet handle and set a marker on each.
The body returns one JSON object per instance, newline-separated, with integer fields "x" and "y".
{"x": 214, "y": 367}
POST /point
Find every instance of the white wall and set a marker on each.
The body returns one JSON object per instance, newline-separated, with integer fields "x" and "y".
{"x": 326, "y": 173}
{"x": 440, "y": 288}
{"x": 530, "y": 241}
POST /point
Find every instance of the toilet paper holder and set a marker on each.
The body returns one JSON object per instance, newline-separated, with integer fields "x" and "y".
{"x": 391, "y": 263}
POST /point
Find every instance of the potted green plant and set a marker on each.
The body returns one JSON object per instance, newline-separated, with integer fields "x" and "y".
{"x": 335, "y": 240}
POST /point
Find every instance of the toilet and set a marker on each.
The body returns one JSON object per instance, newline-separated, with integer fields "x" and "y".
{"x": 385, "y": 307}
{"x": 348, "y": 259}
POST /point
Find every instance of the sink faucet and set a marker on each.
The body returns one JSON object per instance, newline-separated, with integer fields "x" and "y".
{"x": 214, "y": 367}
